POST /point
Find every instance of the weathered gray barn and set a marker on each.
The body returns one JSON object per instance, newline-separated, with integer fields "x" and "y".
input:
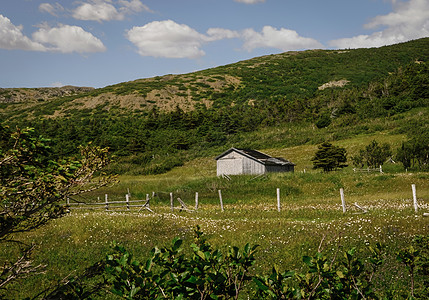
{"x": 245, "y": 161}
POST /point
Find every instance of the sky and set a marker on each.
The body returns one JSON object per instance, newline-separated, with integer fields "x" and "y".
{"x": 51, "y": 43}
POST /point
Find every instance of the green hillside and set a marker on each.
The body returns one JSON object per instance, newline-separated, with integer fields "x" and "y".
{"x": 155, "y": 124}
{"x": 288, "y": 75}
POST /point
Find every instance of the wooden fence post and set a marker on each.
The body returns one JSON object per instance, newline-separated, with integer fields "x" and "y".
{"x": 416, "y": 207}
{"x": 147, "y": 200}
{"x": 220, "y": 199}
{"x": 278, "y": 200}
{"x": 196, "y": 200}
{"x": 127, "y": 199}
{"x": 171, "y": 202}
{"x": 107, "y": 201}
{"x": 343, "y": 202}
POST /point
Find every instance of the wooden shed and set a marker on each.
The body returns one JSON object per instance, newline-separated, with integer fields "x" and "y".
{"x": 246, "y": 161}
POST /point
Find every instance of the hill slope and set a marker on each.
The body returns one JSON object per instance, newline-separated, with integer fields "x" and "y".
{"x": 275, "y": 101}
{"x": 289, "y": 75}
{"x": 29, "y": 95}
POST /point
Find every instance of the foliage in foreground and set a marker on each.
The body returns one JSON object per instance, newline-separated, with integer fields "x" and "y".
{"x": 32, "y": 185}
{"x": 208, "y": 273}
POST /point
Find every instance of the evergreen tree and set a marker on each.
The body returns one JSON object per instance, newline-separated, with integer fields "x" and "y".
{"x": 329, "y": 157}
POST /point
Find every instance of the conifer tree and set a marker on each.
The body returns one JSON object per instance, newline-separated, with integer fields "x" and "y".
{"x": 329, "y": 157}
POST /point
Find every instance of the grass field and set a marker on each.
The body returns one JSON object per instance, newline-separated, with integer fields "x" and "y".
{"x": 311, "y": 211}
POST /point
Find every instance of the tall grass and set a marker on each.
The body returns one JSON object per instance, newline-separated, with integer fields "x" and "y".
{"x": 311, "y": 210}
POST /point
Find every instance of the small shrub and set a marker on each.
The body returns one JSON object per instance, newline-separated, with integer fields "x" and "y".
{"x": 323, "y": 121}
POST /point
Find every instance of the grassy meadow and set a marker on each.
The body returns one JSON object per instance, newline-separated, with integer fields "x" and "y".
{"x": 165, "y": 132}
{"x": 311, "y": 212}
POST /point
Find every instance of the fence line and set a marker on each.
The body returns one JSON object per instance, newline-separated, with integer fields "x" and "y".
{"x": 128, "y": 204}
{"x": 112, "y": 205}
{"x": 379, "y": 169}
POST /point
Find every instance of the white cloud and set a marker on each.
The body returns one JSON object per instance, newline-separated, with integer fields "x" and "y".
{"x": 65, "y": 39}
{"x": 250, "y": 1}
{"x": 51, "y": 9}
{"x": 283, "y": 39}
{"x": 57, "y": 84}
{"x": 12, "y": 38}
{"x": 104, "y": 10}
{"x": 409, "y": 20}
{"x": 68, "y": 39}
{"x": 214, "y": 34}
{"x": 133, "y": 6}
{"x": 172, "y": 40}
{"x": 167, "y": 39}
{"x": 97, "y": 11}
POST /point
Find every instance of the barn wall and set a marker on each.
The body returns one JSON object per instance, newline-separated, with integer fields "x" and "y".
{"x": 236, "y": 164}
{"x": 229, "y": 166}
{"x": 252, "y": 167}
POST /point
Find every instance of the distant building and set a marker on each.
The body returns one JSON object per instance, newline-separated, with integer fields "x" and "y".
{"x": 245, "y": 161}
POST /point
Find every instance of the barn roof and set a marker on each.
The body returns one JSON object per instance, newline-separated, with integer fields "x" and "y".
{"x": 259, "y": 156}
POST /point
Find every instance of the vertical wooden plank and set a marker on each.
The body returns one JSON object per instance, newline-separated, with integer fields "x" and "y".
{"x": 171, "y": 202}
{"x": 416, "y": 207}
{"x": 107, "y": 201}
{"x": 343, "y": 202}
{"x": 278, "y": 200}
{"x": 220, "y": 199}
{"x": 147, "y": 200}
{"x": 127, "y": 199}
{"x": 196, "y": 200}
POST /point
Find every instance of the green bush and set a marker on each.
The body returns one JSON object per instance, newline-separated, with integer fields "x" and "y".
{"x": 205, "y": 272}
{"x": 323, "y": 121}
{"x": 169, "y": 273}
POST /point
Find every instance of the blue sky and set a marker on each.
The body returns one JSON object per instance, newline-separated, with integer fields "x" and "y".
{"x": 101, "y": 42}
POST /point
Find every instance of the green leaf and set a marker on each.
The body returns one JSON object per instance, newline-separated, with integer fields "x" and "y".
{"x": 289, "y": 274}
{"x": 260, "y": 284}
{"x": 148, "y": 264}
{"x": 201, "y": 254}
{"x": 307, "y": 260}
{"x": 192, "y": 279}
{"x": 176, "y": 244}
{"x": 340, "y": 274}
{"x": 246, "y": 248}
{"x": 134, "y": 291}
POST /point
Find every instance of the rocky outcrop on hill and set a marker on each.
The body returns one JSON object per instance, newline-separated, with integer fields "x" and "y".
{"x": 22, "y": 95}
